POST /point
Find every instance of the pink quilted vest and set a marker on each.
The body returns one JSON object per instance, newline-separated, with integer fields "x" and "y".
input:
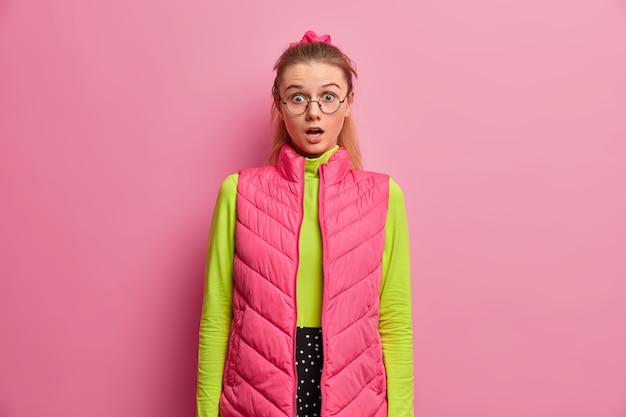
{"x": 260, "y": 377}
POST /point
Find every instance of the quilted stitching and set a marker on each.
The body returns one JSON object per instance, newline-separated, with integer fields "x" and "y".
{"x": 269, "y": 214}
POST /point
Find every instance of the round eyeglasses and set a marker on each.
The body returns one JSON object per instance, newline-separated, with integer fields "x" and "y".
{"x": 298, "y": 103}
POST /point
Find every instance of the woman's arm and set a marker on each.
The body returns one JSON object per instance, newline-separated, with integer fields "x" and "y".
{"x": 395, "y": 325}
{"x": 218, "y": 299}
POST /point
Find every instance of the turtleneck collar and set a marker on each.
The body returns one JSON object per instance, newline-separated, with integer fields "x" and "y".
{"x": 311, "y": 165}
{"x": 334, "y": 163}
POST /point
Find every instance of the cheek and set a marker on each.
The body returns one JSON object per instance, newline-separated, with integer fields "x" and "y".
{"x": 289, "y": 125}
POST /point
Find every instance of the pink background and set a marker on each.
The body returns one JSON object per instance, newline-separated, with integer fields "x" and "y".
{"x": 503, "y": 121}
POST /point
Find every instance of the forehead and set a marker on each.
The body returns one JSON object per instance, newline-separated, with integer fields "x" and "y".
{"x": 313, "y": 75}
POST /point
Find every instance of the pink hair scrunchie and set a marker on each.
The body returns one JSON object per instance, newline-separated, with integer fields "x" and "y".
{"x": 311, "y": 37}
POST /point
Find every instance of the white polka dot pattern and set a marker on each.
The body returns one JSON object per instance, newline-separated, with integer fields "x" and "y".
{"x": 309, "y": 360}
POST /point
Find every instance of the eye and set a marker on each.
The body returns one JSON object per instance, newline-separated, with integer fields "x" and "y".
{"x": 328, "y": 97}
{"x": 298, "y": 99}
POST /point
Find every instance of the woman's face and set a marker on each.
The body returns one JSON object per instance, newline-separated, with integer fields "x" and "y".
{"x": 314, "y": 132}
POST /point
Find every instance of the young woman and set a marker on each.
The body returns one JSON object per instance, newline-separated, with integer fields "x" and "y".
{"x": 307, "y": 307}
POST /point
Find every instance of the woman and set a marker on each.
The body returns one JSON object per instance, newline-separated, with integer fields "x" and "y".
{"x": 307, "y": 306}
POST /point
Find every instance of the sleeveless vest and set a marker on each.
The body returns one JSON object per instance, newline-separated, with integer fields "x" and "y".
{"x": 260, "y": 377}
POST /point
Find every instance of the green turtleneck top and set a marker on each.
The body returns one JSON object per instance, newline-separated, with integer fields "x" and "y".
{"x": 395, "y": 325}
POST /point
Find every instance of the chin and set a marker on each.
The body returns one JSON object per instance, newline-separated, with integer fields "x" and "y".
{"x": 311, "y": 151}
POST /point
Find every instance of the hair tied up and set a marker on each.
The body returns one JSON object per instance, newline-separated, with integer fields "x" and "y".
{"x": 311, "y": 37}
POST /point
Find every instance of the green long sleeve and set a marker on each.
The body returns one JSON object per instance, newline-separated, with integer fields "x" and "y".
{"x": 395, "y": 324}
{"x": 218, "y": 300}
{"x": 395, "y": 308}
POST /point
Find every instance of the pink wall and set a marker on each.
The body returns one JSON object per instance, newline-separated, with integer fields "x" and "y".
{"x": 504, "y": 122}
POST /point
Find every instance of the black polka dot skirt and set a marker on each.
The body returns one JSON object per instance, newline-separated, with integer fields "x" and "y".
{"x": 309, "y": 360}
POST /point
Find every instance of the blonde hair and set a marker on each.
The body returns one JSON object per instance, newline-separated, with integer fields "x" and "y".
{"x": 307, "y": 53}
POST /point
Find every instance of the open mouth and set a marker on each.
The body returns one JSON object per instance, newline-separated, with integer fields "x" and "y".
{"x": 314, "y": 132}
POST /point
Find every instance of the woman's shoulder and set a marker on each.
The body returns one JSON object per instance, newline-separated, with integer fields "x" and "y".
{"x": 393, "y": 185}
{"x": 229, "y": 186}
{"x": 396, "y": 195}
{"x": 394, "y": 189}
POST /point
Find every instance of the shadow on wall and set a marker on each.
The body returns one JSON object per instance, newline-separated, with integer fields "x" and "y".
{"x": 183, "y": 371}
{"x": 249, "y": 136}
{"x": 237, "y": 138}
{"x": 237, "y": 141}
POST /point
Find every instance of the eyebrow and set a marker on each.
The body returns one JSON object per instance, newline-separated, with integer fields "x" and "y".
{"x": 296, "y": 86}
{"x": 300, "y": 87}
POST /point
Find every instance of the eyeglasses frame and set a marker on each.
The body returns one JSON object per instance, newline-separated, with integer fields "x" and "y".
{"x": 308, "y": 101}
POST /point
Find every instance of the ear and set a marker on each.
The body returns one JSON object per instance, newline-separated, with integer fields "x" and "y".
{"x": 280, "y": 109}
{"x": 349, "y": 101}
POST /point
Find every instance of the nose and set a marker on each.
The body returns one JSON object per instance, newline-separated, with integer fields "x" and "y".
{"x": 313, "y": 110}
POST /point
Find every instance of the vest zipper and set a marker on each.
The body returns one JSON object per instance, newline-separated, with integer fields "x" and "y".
{"x": 295, "y": 299}
{"x": 320, "y": 208}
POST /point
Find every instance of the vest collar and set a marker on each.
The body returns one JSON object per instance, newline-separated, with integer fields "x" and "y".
{"x": 291, "y": 165}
